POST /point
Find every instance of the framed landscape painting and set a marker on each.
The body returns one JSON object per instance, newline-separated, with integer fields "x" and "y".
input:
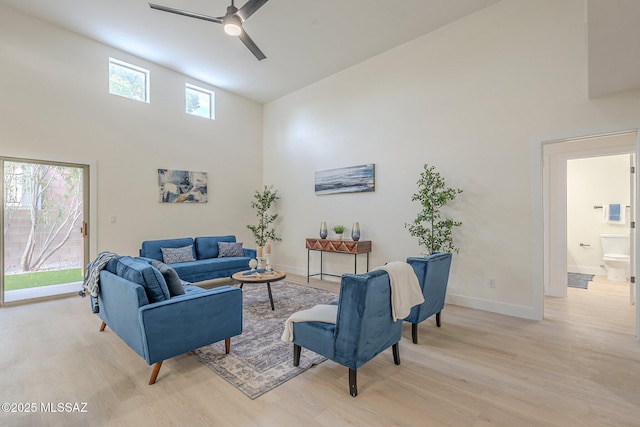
{"x": 353, "y": 179}
{"x": 182, "y": 186}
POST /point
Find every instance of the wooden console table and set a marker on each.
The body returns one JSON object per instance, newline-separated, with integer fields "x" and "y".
{"x": 337, "y": 246}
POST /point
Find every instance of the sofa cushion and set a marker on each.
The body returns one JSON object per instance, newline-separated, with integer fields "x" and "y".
{"x": 175, "y": 255}
{"x": 196, "y": 268}
{"x": 152, "y": 248}
{"x": 207, "y": 247}
{"x": 226, "y": 249}
{"x": 174, "y": 283}
{"x": 192, "y": 289}
{"x": 142, "y": 273}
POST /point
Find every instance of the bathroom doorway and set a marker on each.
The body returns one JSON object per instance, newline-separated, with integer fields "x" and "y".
{"x": 599, "y": 215}
{"x": 599, "y": 203}
{"x": 574, "y": 210}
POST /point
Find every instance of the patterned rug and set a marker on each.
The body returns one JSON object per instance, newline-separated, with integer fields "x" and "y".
{"x": 579, "y": 280}
{"x": 259, "y": 360}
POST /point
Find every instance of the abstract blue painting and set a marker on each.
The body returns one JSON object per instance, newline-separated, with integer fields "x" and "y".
{"x": 353, "y": 179}
{"x": 182, "y": 186}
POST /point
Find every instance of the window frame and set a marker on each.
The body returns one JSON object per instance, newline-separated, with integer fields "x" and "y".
{"x": 146, "y": 73}
{"x": 212, "y": 100}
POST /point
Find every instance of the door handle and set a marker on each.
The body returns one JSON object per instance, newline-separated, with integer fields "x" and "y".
{"x": 83, "y": 229}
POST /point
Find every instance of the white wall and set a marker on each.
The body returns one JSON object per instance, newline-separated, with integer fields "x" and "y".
{"x": 469, "y": 98}
{"x": 594, "y": 181}
{"x": 55, "y": 105}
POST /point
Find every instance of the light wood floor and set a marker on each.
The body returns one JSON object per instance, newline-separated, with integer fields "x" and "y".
{"x": 578, "y": 367}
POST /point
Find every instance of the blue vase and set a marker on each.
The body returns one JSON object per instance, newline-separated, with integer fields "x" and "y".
{"x": 323, "y": 230}
{"x": 355, "y": 232}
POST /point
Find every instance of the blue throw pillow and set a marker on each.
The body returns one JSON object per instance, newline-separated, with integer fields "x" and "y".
{"x": 174, "y": 283}
{"x": 145, "y": 275}
{"x": 175, "y": 255}
{"x": 226, "y": 249}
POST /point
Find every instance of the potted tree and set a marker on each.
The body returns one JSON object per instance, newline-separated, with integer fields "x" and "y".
{"x": 264, "y": 231}
{"x": 434, "y": 232}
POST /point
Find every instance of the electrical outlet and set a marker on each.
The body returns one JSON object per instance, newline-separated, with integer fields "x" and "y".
{"x": 492, "y": 282}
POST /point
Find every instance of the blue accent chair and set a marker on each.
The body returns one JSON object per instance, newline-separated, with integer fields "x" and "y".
{"x": 364, "y": 326}
{"x": 135, "y": 303}
{"x": 433, "y": 276}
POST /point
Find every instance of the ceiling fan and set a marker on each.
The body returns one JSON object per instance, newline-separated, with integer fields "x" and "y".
{"x": 232, "y": 21}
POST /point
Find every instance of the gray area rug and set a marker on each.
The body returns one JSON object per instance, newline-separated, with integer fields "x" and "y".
{"x": 579, "y": 280}
{"x": 259, "y": 360}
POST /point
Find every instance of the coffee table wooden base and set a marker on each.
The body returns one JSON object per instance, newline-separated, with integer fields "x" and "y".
{"x": 260, "y": 278}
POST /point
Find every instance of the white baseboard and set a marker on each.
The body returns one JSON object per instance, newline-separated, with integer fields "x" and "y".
{"x": 492, "y": 306}
{"x": 303, "y": 272}
{"x": 461, "y": 300}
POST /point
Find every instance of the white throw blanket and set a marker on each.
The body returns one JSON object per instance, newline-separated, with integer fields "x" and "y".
{"x": 405, "y": 289}
{"x": 319, "y": 313}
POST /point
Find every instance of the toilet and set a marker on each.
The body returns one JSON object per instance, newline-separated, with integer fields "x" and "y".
{"x": 615, "y": 248}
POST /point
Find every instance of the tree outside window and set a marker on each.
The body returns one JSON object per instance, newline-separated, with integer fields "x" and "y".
{"x": 128, "y": 80}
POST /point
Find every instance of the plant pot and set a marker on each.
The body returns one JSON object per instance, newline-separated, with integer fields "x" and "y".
{"x": 339, "y": 236}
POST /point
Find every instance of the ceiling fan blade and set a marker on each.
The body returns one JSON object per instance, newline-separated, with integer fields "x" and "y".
{"x": 250, "y": 8}
{"x": 251, "y": 46}
{"x": 185, "y": 13}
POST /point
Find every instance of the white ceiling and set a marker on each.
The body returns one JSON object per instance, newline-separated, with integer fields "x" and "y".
{"x": 613, "y": 46}
{"x": 307, "y": 40}
{"x": 304, "y": 40}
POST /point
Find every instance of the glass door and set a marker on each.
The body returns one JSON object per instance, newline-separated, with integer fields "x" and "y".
{"x": 44, "y": 241}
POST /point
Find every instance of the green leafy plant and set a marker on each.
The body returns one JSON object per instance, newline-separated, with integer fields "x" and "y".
{"x": 432, "y": 230}
{"x": 338, "y": 229}
{"x": 265, "y": 230}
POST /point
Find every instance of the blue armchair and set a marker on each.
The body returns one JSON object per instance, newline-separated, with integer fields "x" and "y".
{"x": 364, "y": 326}
{"x": 135, "y": 302}
{"x": 433, "y": 276}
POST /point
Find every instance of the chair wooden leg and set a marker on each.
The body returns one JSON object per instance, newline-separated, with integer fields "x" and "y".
{"x": 104, "y": 325}
{"x": 414, "y": 333}
{"x": 353, "y": 382}
{"x": 438, "y": 319}
{"x": 227, "y": 345}
{"x": 296, "y": 355}
{"x": 396, "y": 354}
{"x": 154, "y": 372}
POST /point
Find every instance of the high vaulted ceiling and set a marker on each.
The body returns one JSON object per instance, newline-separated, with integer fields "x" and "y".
{"x": 307, "y": 40}
{"x": 613, "y": 46}
{"x": 304, "y": 40}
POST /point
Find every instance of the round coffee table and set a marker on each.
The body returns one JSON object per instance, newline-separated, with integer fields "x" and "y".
{"x": 267, "y": 278}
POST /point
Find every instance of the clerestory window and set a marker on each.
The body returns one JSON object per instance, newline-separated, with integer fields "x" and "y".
{"x": 199, "y": 101}
{"x": 128, "y": 80}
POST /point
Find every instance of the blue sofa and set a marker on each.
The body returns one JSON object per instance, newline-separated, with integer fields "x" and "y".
{"x": 206, "y": 264}
{"x": 135, "y": 302}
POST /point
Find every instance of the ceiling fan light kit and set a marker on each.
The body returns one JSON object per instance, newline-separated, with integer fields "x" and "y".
{"x": 232, "y": 25}
{"x": 231, "y": 21}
